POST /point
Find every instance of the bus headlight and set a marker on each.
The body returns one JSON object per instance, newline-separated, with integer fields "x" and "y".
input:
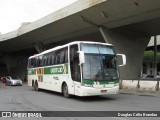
{"x": 87, "y": 85}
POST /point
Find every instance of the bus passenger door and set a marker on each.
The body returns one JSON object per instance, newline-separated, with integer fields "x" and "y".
{"x": 75, "y": 69}
{"x": 77, "y": 78}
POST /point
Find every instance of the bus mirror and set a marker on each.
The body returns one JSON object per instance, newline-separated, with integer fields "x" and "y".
{"x": 81, "y": 57}
{"x": 121, "y": 59}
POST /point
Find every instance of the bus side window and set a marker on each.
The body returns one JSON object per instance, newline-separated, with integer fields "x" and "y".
{"x": 66, "y": 55}
{"x": 29, "y": 63}
{"x": 49, "y": 59}
{"x": 53, "y": 58}
{"x": 44, "y": 59}
{"x": 62, "y": 56}
{"x": 41, "y": 61}
{"x": 38, "y": 61}
{"x": 57, "y": 57}
{"x": 74, "y": 63}
{"x": 47, "y": 56}
{"x": 33, "y": 62}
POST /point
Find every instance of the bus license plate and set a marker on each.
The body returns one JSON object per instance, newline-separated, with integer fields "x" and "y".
{"x": 103, "y": 91}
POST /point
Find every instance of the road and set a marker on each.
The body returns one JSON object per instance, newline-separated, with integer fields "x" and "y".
{"x": 24, "y": 98}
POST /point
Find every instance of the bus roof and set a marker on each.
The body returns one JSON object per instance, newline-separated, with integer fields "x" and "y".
{"x": 71, "y": 43}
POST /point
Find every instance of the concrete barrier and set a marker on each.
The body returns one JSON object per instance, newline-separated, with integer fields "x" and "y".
{"x": 129, "y": 84}
{"x": 148, "y": 86}
{"x": 140, "y": 85}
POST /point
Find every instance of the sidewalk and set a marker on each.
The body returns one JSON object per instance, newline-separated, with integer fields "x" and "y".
{"x": 140, "y": 86}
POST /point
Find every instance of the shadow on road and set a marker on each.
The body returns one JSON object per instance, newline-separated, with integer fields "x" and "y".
{"x": 94, "y": 98}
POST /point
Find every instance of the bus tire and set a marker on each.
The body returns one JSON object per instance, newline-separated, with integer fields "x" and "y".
{"x": 36, "y": 86}
{"x": 32, "y": 83}
{"x": 65, "y": 90}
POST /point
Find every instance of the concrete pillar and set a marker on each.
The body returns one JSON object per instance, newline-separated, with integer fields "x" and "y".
{"x": 39, "y": 47}
{"x": 104, "y": 35}
{"x": 16, "y": 65}
{"x": 3, "y": 68}
{"x": 132, "y": 45}
{"x": 155, "y": 56}
{"x": 8, "y": 63}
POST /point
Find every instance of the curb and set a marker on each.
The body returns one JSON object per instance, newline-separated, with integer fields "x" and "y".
{"x": 138, "y": 92}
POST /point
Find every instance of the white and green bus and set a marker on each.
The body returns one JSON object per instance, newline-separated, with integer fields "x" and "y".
{"x": 78, "y": 68}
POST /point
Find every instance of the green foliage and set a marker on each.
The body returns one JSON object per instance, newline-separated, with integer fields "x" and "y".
{"x": 149, "y": 56}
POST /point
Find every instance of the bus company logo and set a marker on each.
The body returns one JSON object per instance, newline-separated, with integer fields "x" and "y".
{"x": 6, "y": 114}
{"x": 56, "y": 70}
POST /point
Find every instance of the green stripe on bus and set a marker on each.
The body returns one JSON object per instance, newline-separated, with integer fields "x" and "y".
{"x": 100, "y": 82}
{"x": 49, "y": 70}
{"x": 56, "y": 70}
{"x": 31, "y": 71}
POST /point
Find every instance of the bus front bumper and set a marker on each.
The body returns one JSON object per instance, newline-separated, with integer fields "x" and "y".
{"x": 90, "y": 91}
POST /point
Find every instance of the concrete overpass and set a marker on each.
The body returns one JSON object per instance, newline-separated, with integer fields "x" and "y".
{"x": 127, "y": 24}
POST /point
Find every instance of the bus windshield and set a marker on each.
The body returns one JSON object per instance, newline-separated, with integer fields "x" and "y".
{"x": 100, "y": 63}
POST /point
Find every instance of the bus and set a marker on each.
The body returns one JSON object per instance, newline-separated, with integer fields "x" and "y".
{"x": 80, "y": 68}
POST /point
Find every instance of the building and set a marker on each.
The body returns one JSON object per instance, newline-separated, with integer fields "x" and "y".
{"x": 148, "y": 62}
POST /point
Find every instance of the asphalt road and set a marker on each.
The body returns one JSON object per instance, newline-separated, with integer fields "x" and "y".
{"x": 24, "y": 98}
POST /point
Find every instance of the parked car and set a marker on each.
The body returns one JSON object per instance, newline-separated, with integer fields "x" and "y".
{"x": 158, "y": 76}
{"x": 13, "y": 81}
{"x": 149, "y": 76}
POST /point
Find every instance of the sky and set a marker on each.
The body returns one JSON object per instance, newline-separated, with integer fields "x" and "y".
{"x": 15, "y": 12}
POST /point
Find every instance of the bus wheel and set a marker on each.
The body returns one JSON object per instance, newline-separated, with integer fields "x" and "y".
{"x": 65, "y": 91}
{"x": 36, "y": 86}
{"x": 33, "y": 83}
